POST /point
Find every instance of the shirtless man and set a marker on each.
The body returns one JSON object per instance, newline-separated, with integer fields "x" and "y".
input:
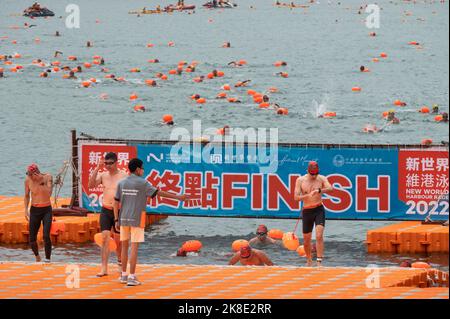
{"x": 109, "y": 180}
{"x": 309, "y": 189}
{"x": 250, "y": 257}
{"x": 261, "y": 238}
{"x": 40, "y": 185}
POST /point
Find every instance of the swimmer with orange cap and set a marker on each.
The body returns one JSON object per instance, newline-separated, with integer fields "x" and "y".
{"x": 261, "y": 238}
{"x": 241, "y": 83}
{"x": 309, "y": 189}
{"x": 249, "y": 256}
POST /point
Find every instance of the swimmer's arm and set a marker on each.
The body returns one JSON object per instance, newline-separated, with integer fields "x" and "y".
{"x": 26, "y": 198}
{"x": 234, "y": 259}
{"x": 326, "y": 186}
{"x": 95, "y": 179}
{"x": 265, "y": 259}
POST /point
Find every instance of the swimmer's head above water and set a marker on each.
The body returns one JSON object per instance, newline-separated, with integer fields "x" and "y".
{"x": 246, "y": 251}
{"x": 313, "y": 168}
{"x": 261, "y": 232}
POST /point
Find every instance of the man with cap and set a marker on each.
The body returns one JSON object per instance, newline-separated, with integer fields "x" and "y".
{"x": 261, "y": 238}
{"x": 40, "y": 186}
{"x": 309, "y": 189}
{"x": 249, "y": 256}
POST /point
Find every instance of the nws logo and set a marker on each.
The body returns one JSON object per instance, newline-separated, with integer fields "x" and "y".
{"x": 338, "y": 161}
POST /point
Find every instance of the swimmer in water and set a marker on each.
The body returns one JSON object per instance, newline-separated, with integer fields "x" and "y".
{"x": 362, "y": 68}
{"x": 250, "y": 257}
{"x": 57, "y": 53}
{"x": 444, "y": 117}
{"x": 72, "y": 75}
{"x": 435, "y": 109}
{"x": 1, "y": 74}
{"x": 241, "y": 83}
{"x": 392, "y": 119}
{"x": 57, "y": 34}
{"x": 261, "y": 238}
{"x": 88, "y": 44}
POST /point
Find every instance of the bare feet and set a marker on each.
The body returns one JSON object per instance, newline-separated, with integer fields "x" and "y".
{"x": 309, "y": 263}
{"x": 102, "y": 274}
{"x": 38, "y": 258}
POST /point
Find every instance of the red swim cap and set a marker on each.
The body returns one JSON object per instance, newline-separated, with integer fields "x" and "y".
{"x": 33, "y": 168}
{"x": 313, "y": 168}
{"x": 246, "y": 251}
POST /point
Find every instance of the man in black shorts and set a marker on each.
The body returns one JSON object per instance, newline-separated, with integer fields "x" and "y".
{"x": 109, "y": 178}
{"x": 309, "y": 189}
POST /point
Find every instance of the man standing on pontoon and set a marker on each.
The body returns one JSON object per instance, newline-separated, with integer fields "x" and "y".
{"x": 109, "y": 180}
{"x": 309, "y": 189}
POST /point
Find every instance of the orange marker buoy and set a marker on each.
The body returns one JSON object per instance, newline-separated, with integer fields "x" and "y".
{"x": 96, "y": 57}
{"x": 192, "y": 246}
{"x": 275, "y": 234}
{"x": 139, "y": 108}
{"x": 171, "y": 44}
{"x": 438, "y": 118}
{"x": 375, "y": 60}
{"x": 385, "y": 113}
{"x": 150, "y": 82}
{"x": 150, "y": 45}
{"x": 282, "y": 111}
{"x": 329, "y": 114}
{"x": 413, "y": 43}
{"x": 86, "y": 84}
{"x": 226, "y": 87}
{"x": 93, "y": 80}
{"x": 290, "y": 241}
{"x": 201, "y": 100}
{"x": 420, "y": 264}
{"x": 284, "y": 74}
{"x": 232, "y": 100}
{"x": 251, "y": 92}
{"x": 87, "y": 65}
{"x": 383, "y": 54}
{"x": 135, "y": 70}
{"x": 72, "y": 58}
{"x": 301, "y": 251}
{"x": 258, "y": 99}
{"x": 56, "y": 69}
{"x": 98, "y": 239}
{"x": 221, "y": 95}
{"x": 96, "y": 62}
{"x": 167, "y": 118}
{"x": 399, "y": 103}
{"x": 210, "y": 76}
{"x": 19, "y": 67}
{"x": 424, "y": 109}
{"x": 56, "y": 63}
{"x": 356, "y": 89}
{"x": 17, "y": 56}
{"x": 172, "y": 72}
{"x": 220, "y": 73}
{"x": 164, "y": 77}
{"x": 427, "y": 141}
{"x": 273, "y": 89}
{"x": 264, "y": 105}
{"x": 237, "y": 244}
{"x": 242, "y": 62}
{"x": 133, "y": 97}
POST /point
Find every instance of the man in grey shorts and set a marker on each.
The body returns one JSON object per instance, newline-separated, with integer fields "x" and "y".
{"x": 132, "y": 193}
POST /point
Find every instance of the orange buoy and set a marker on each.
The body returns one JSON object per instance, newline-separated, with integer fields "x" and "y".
{"x": 301, "y": 251}
{"x": 284, "y": 74}
{"x": 172, "y": 72}
{"x": 86, "y": 84}
{"x": 356, "y": 89}
{"x": 201, "y": 100}
{"x": 133, "y": 97}
{"x": 96, "y": 62}
{"x": 226, "y": 87}
{"x": 258, "y": 99}
{"x": 280, "y": 63}
{"x": 275, "y": 234}
{"x": 420, "y": 264}
{"x": 14, "y": 41}
{"x": 19, "y": 67}
{"x": 150, "y": 45}
{"x": 427, "y": 141}
{"x": 221, "y": 95}
{"x": 220, "y": 73}
{"x": 413, "y": 43}
{"x": 139, "y": 108}
{"x": 399, "y": 103}
{"x": 438, "y": 118}
{"x": 98, "y": 239}
{"x": 192, "y": 246}
{"x": 233, "y": 100}
{"x": 237, "y": 244}
{"x": 424, "y": 109}
{"x": 273, "y": 89}
{"x": 210, "y": 76}
{"x": 72, "y": 58}
{"x": 282, "y": 111}
{"x": 135, "y": 70}
{"x": 17, "y": 56}
{"x": 264, "y": 105}
{"x": 87, "y": 65}
{"x": 56, "y": 63}
{"x": 375, "y": 60}
{"x": 242, "y": 62}
{"x": 385, "y": 113}
{"x": 251, "y": 92}
{"x": 150, "y": 82}
{"x": 171, "y": 43}
{"x": 164, "y": 77}
{"x": 93, "y": 80}
{"x": 329, "y": 114}
{"x": 383, "y": 54}
{"x": 167, "y": 118}
{"x": 290, "y": 241}
{"x": 96, "y": 57}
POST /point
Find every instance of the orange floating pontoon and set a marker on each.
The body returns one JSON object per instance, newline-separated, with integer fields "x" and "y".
{"x": 408, "y": 237}
{"x": 14, "y": 227}
{"x": 69, "y": 281}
